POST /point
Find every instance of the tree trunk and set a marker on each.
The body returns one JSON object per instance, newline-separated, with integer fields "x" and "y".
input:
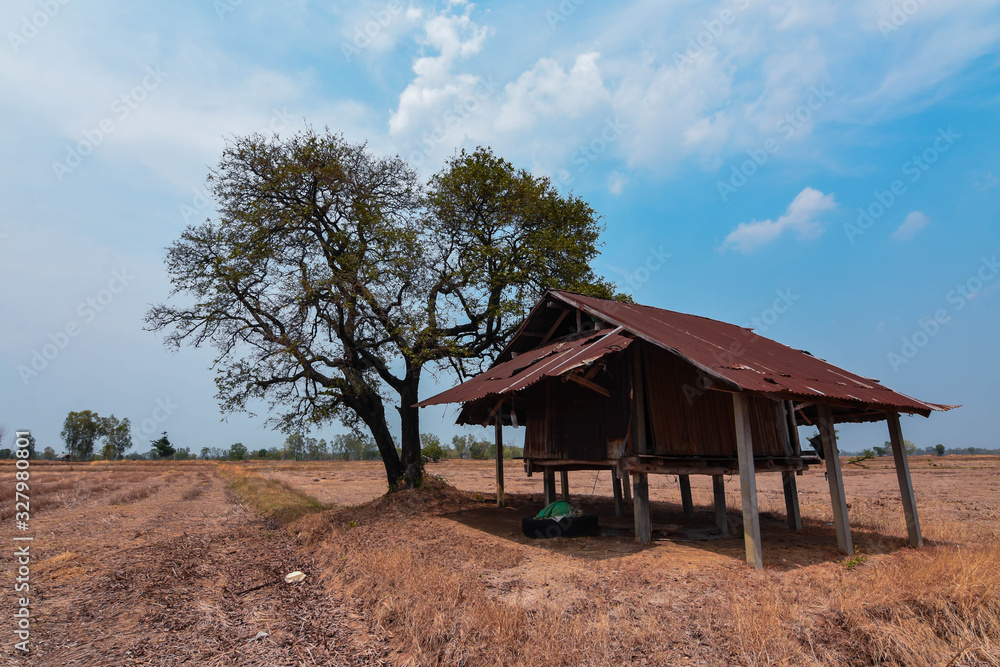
{"x": 371, "y": 410}
{"x": 410, "y": 426}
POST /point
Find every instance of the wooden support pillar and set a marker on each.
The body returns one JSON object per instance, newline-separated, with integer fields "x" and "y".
{"x": 905, "y": 482}
{"x": 640, "y": 509}
{"x": 719, "y": 494}
{"x": 686, "y": 502}
{"x": 616, "y": 490}
{"x": 626, "y": 491}
{"x": 640, "y": 481}
{"x": 790, "y": 441}
{"x": 549, "y": 485}
{"x": 791, "y": 490}
{"x": 835, "y": 478}
{"x": 564, "y": 483}
{"x": 499, "y": 443}
{"x": 748, "y": 482}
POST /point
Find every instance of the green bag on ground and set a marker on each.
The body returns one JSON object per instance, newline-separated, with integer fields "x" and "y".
{"x": 558, "y": 508}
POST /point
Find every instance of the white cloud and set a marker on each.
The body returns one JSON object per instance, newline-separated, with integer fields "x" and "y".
{"x": 913, "y": 223}
{"x": 436, "y": 87}
{"x": 799, "y": 217}
{"x": 549, "y": 91}
{"x": 617, "y": 182}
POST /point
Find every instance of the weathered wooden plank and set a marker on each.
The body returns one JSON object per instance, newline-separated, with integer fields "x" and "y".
{"x": 498, "y": 428}
{"x": 788, "y": 484}
{"x": 643, "y": 521}
{"x": 719, "y": 495}
{"x": 905, "y": 481}
{"x": 549, "y": 485}
{"x": 686, "y": 502}
{"x": 640, "y": 484}
{"x": 748, "y": 482}
{"x": 791, "y": 490}
{"x": 564, "y": 483}
{"x": 835, "y": 478}
{"x": 616, "y": 490}
{"x": 589, "y": 384}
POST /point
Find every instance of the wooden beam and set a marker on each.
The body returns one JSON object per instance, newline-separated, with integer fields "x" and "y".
{"x": 498, "y": 430}
{"x": 555, "y": 325}
{"x": 788, "y": 484}
{"x": 835, "y": 478}
{"x": 905, "y": 482}
{"x": 549, "y": 486}
{"x": 686, "y": 502}
{"x": 719, "y": 495}
{"x": 616, "y": 490}
{"x": 584, "y": 382}
{"x": 640, "y": 483}
{"x": 564, "y": 483}
{"x": 748, "y": 482}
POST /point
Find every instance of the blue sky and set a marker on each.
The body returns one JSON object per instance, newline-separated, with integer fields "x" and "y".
{"x": 840, "y": 160}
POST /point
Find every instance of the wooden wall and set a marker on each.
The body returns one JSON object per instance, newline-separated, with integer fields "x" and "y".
{"x": 564, "y": 420}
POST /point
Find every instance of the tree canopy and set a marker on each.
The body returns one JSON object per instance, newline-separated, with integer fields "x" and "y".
{"x": 80, "y": 431}
{"x": 332, "y": 276}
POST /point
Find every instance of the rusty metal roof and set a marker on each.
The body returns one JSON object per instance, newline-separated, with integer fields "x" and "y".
{"x": 731, "y": 357}
{"x": 526, "y": 369}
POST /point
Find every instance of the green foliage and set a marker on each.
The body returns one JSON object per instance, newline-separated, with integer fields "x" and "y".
{"x": 183, "y": 454}
{"x": 117, "y": 437}
{"x": 852, "y": 562}
{"x": 262, "y": 454}
{"x": 80, "y": 431}
{"x": 162, "y": 447}
{"x": 482, "y": 449}
{"x": 5, "y": 453}
{"x": 48, "y": 454}
{"x": 939, "y": 449}
{"x": 238, "y": 452}
{"x": 431, "y": 448}
{"x": 354, "y": 447}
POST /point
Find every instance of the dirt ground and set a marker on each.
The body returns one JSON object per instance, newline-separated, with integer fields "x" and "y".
{"x": 123, "y": 578}
{"x": 149, "y": 564}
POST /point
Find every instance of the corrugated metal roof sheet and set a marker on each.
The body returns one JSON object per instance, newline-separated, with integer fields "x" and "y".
{"x": 743, "y": 359}
{"x": 526, "y": 369}
{"x": 733, "y": 356}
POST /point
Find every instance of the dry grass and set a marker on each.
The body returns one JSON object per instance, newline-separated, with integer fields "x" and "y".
{"x": 134, "y": 494}
{"x": 275, "y": 500}
{"x": 440, "y": 601}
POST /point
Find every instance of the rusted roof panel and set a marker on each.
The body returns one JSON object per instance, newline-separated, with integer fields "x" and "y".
{"x": 526, "y": 369}
{"x": 738, "y": 358}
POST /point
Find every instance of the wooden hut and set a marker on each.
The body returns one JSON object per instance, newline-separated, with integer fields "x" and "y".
{"x": 638, "y": 390}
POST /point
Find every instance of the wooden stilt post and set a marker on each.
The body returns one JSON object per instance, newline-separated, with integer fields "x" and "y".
{"x": 791, "y": 489}
{"x": 686, "y": 502}
{"x": 499, "y": 443}
{"x": 626, "y": 490}
{"x": 640, "y": 481}
{"x": 748, "y": 482}
{"x": 789, "y": 439}
{"x": 643, "y": 520}
{"x": 905, "y": 482}
{"x": 549, "y": 484}
{"x": 719, "y": 494}
{"x": 616, "y": 489}
{"x": 564, "y": 483}
{"x": 836, "y": 479}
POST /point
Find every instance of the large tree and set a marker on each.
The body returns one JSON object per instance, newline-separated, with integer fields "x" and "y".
{"x": 117, "y": 437}
{"x": 331, "y": 277}
{"x": 80, "y": 431}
